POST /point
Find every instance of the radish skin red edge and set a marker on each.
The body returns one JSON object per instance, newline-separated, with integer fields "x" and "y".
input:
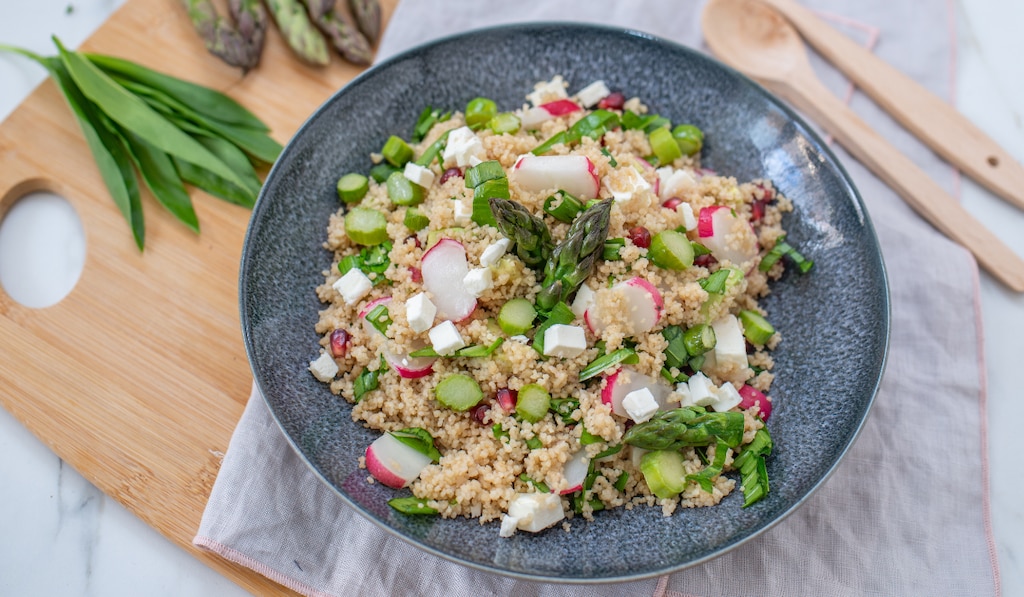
{"x": 406, "y": 366}
{"x": 752, "y": 396}
{"x": 393, "y": 463}
{"x": 574, "y": 174}
{"x": 575, "y": 472}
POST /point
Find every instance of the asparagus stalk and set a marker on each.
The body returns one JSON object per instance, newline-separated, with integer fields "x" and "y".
{"x": 221, "y": 38}
{"x": 299, "y": 32}
{"x": 530, "y": 234}
{"x": 574, "y": 259}
{"x": 367, "y": 14}
{"x": 251, "y": 22}
{"x": 344, "y": 36}
{"x": 686, "y": 427}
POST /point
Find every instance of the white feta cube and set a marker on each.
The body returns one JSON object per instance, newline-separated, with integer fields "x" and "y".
{"x": 445, "y": 338}
{"x": 640, "y": 405}
{"x": 730, "y": 346}
{"x": 689, "y": 219}
{"x": 494, "y": 252}
{"x": 463, "y": 211}
{"x": 583, "y": 300}
{"x": 548, "y": 91}
{"x": 593, "y": 93}
{"x": 674, "y": 183}
{"x": 461, "y": 146}
{"x": 420, "y": 312}
{"x": 508, "y": 526}
{"x": 683, "y": 391}
{"x": 478, "y": 280}
{"x": 701, "y": 389}
{"x": 727, "y": 397}
{"x": 564, "y": 341}
{"x": 535, "y": 512}
{"x": 324, "y": 368}
{"x": 353, "y": 286}
{"x": 418, "y": 174}
{"x": 627, "y": 185}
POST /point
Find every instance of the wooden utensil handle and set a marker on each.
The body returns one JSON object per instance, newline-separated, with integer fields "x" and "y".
{"x": 929, "y": 118}
{"x": 922, "y": 194}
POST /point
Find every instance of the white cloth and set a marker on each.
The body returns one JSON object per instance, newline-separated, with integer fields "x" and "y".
{"x": 906, "y": 513}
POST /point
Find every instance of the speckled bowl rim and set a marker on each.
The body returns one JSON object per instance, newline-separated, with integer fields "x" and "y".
{"x": 804, "y": 128}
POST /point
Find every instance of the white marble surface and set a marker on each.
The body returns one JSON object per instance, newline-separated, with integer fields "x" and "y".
{"x": 62, "y": 536}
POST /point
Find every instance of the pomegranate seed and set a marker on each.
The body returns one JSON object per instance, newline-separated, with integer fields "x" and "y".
{"x": 768, "y": 194}
{"x": 640, "y": 236}
{"x": 613, "y": 101}
{"x": 705, "y": 260}
{"x": 450, "y": 172}
{"x": 339, "y": 343}
{"x": 507, "y": 399}
{"x": 480, "y": 413}
{"x": 672, "y": 203}
{"x": 757, "y": 210}
{"x": 416, "y": 275}
{"x": 415, "y": 240}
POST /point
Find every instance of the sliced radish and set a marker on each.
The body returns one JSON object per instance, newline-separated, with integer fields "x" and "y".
{"x": 752, "y": 396}
{"x": 575, "y": 471}
{"x": 560, "y": 107}
{"x": 640, "y": 296}
{"x": 443, "y": 267}
{"x": 393, "y": 463}
{"x": 399, "y": 359}
{"x": 574, "y": 174}
{"x": 370, "y": 306}
{"x": 531, "y": 117}
{"x": 625, "y": 380}
{"x": 719, "y": 230}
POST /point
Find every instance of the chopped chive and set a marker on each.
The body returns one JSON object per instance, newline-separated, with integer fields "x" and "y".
{"x": 411, "y": 505}
{"x": 620, "y": 483}
{"x": 563, "y": 207}
{"x": 534, "y": 443}
{"x": 587, "y": 438}
{"x": 715, "y": 283}
{"x": 611, "y": 159}
{"x": 605, "y": 362}
{"x": 539, "y": 485}
{"x": 379, "y": 318}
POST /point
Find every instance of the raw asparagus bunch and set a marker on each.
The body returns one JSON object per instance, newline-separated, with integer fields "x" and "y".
{"x": 300, "y": 33}
{"x": 145, "y": 127}
{"x": 574, "y": 259}
{"x": 344, "y": 36}
{"x": 686, "y": 427}
{"x": 530, "y": 234}
{"x": 239, "y": 45}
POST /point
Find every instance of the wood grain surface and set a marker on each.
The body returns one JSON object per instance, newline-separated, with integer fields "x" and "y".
{"x": 138, "y": 377}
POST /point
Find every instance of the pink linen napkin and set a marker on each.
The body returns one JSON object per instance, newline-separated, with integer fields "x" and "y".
{"x": 906, "y": 513}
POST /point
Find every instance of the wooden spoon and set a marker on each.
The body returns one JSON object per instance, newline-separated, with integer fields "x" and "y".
{"x": 923, "y": 113}
{"x": 759, "y": 42}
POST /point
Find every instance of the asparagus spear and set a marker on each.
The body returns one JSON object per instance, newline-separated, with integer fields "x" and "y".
{"x": 367, "y": 14}
{"x": 686, "y": 427}
{"x": 221, "y": 37}
{"x": 573, "y": 260}
{"x": 530, "y": 234}
{"x": 299, "y": 32}
{"x": 344, "y": 36}
{"x": 251, "y": 22}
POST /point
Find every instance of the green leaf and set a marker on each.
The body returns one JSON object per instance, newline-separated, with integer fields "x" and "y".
{"x": 204, "y": 100}
{"x": 130, "y": 112}
{"x": 158, "y": 172}
{"x": 541, "y": 486}
{"x": 411, "y": 505}
{"x": 418, "y": 439}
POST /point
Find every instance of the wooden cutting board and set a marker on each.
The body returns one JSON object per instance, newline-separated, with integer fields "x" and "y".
{"x": 138, "y": 377}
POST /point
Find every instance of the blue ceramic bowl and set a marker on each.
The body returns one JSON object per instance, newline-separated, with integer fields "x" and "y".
{"x": 834, "y": 321}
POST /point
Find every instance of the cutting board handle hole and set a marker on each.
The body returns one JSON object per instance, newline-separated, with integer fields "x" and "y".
{"x": 42, "y": 248}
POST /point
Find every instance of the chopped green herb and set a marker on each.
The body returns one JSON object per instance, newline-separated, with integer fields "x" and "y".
{"x": 411, "y": 505}
{"x": 540, "y": 485}
{"x": 418, "y": 439}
